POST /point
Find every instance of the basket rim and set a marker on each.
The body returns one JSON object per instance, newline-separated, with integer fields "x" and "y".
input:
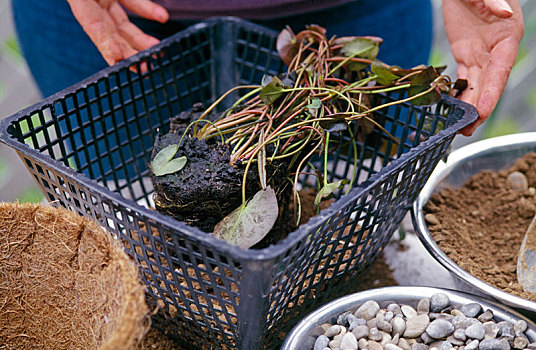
{"x": 193, "y": 233}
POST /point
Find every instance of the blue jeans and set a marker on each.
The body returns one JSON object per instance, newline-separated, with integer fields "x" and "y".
{"x": 60, "y": 54}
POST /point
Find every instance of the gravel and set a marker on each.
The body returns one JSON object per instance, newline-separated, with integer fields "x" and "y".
{"x": 433, "y": 325}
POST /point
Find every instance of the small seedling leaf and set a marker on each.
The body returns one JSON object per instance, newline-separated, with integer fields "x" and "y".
{"x": 328, "y": 189}
{"x": 272, "y": 89}
{"x": 421, "y": 83}
{"x": 313, "y": 106}
{"x": 163, "y": 162}
{"x": 251, "y": 222}
{"x": 385, "y": 76}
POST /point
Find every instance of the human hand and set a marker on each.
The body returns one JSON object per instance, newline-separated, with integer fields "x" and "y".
{"x": 484, "y": 38}
{"x": 107, "y": 25}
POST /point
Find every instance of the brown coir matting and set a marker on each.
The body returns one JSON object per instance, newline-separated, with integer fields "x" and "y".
{"x": 65, "y": 283}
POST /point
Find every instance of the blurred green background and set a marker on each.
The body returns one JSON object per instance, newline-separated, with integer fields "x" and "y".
{"x": 515, "y": 112}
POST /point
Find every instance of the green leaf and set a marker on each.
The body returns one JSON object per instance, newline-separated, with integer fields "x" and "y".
{"x": 361, "y": 47}
{"x": 163, "y": 162}
{"x": 251, "y": 222}
{"x": 385, "y": 76}
{"x": 422, "y": 82}
{"x": 313, "y": 106}
{"x": 328, "y": 189}
{"x": 272, "y": 89}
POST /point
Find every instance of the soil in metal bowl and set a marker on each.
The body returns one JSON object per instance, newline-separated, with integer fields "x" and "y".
{"x": 481, "y": 225}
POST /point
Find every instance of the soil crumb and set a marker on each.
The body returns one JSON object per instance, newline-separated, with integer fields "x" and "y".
{"x": 481, "y": 225}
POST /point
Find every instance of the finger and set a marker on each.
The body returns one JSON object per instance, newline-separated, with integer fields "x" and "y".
{"x": 147, "y": 9}
{"x": 132, "y": 34}
{"x": 502, "y": 59}
{"x": 471, "y": 93}
{"x": 99, "y": 28}
{"x": 470, "y": 129}
{"x": 499, "y": 8}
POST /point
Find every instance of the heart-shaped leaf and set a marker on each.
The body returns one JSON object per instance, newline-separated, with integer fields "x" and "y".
{"x": 287, "y": 45}
{"x": 385, "y": 76}
{"x": 328, "y": 189}
{"x": 249, "y": 223}
{"x": 272, "y": 89}
{"x": 164, "y": 162}
{"x": 421, "y": 83}
{"x": 366, "y": 47}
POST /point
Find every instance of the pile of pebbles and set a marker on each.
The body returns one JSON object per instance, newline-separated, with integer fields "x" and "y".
{"x": 434, "y": 324}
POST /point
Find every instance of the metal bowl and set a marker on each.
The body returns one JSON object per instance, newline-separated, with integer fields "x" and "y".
{"x": 401, "y": 295}
{"x": 492, "y": 154}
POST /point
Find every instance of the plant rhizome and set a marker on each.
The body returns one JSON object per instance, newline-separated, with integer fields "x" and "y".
{"x": 234, "y": 174}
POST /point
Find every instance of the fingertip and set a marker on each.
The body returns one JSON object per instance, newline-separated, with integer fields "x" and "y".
{"x": 161, "y": 14}
{"x": 499, "y": 8}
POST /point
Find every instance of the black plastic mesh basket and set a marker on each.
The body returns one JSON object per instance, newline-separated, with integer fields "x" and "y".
{"x": 88, "y": 147}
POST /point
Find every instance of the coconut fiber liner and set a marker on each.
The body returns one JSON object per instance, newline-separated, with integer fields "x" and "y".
{"x": 65, "y": 283}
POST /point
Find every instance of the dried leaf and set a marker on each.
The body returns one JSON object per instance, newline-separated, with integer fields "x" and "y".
{"x": 164, "y": 162}
{"x": 272, "y": 89}
{"x": 328, "y": 189}
{"x": 287, "y": 45}
{"x": 249, "y": 223}
{"x": 334, "y": 125}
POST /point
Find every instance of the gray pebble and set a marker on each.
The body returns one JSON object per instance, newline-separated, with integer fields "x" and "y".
{"x": 390, "y": 346}
{"x": 373, "y": 345}
{"x": 321, "y": 342}
{"x": 520, "y": 343}
{"x": 419, "y": 346}
{"x": 486, "y": 316}
{"x": 335, "y": 343}
{"x": 423, "y": 306}
{"x": 372, "y": 323}
{"x": 460, "y": 334}
{"x": 403, "y": 344}
{"x": 384, "y": 326}
{"x": 531, "y": 346}
{"x": 368, "y": 310}
{"x": 361, "y": 331}
{"x": 426, "y": 339}
{"x": 333, "y": 331}
{"x": 408, "y": 311}
{"x": 475, "y": 331}
{"x": 362, "y": 343}
{"x": 431, "y": 219}
{"x": 438, "y": 302}
{"x": 386, "y": 339}
{"x": 494, "y": 344}
{"x": 389, "y": 316}
{"x": 349, "y": 341}
{"x": 491, "y": 329}
{"x": 394, "y": 308}
{"x": 440, "y": 329}
{"x": 472, "y": 345}
{"x": 520, "y": 326}
{"x": 352, "y": 326}
{"x": 342, "y": 319}
{"x": 517, "y": 181}
{"x": 375, "y": 334}
{"x": 471, "y": 310}
{"x": 454, "y": 341}
{"x": 398, "y": 325}
{"x": 416, "y": 326}
{"x": 351, "y": 318}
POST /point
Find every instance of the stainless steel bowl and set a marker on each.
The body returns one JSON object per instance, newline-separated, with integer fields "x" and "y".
{"x": 491, "y": 154}
{"x": 402, "y": 295}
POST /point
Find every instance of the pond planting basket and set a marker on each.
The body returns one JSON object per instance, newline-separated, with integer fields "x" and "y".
{"x": 88, "y": 148}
